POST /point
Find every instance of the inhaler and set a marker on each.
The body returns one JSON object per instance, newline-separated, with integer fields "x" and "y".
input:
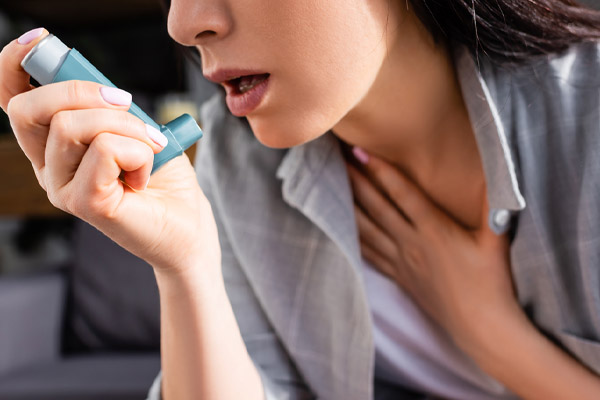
{"x": 52, "y": 61}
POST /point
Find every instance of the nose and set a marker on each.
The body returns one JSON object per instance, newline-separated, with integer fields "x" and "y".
{"x": 197, "y": 22}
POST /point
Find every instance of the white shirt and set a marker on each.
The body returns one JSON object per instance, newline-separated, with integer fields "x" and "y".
{"x": 412, "y": 351}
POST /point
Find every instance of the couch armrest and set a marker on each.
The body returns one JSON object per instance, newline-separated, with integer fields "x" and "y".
{"x": 31, "y": 317}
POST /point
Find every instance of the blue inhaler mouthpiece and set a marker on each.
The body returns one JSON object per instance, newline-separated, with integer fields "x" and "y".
{"x": 52, "y": 61}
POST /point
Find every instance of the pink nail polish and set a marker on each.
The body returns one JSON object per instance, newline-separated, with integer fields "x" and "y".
{"x": 360, "y": 154}
{"x": 115, "y": 96}
{"x": 29, "y": 36}
{"x": 156, "y": 136}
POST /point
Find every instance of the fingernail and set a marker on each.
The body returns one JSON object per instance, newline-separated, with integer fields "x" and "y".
{"x": 146, "y": 185}
{"x": 28, "y": 37}
{"x": 115, "y": 96}
{"x": 360, "y": 154}
{"x": 156, "y": 136}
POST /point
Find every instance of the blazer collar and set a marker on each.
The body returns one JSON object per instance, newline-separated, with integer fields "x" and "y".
{"x": 488, "y": 104}
{"x": 316, "y": 183}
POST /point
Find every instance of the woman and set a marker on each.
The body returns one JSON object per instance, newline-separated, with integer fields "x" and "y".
{"x": 458, "y": 130}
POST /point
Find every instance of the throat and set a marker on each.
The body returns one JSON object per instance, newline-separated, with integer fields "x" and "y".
{"x": 454, "y": 182}
{"x": 460, "y": 197}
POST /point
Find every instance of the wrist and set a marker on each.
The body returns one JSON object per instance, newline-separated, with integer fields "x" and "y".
{"x": 498, "y": 334}
{"x": 190, "y": 280}
{"x": 519, "y": 356}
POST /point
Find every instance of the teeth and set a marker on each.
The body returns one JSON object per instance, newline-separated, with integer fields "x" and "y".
{"x": 248, "y": 82}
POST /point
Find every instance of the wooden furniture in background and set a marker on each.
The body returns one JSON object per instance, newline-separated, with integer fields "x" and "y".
{"x": 20, "y": 192}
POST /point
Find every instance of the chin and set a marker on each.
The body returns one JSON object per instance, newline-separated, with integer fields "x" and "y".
{"x": 283, "y": 134}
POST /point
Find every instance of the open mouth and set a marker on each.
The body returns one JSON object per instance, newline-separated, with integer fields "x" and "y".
{"x": 246, "y": 83}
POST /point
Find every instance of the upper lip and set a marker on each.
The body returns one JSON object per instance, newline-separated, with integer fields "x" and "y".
{"x": 224, "y": 75}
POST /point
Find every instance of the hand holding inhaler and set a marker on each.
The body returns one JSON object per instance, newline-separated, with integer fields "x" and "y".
{"x": 82, "y": 135}
{"x": 52, "y": 61}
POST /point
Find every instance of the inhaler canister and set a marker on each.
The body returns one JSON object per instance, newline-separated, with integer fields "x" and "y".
{"x": 52, "y": 61}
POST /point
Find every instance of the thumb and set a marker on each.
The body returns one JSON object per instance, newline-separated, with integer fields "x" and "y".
{"x": 13, "y": 78}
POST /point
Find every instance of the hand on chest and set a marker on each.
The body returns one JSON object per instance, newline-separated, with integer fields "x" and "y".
{"x": 455, "y": 275}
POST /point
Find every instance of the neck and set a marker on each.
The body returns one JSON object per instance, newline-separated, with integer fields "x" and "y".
{"x": 414, "y": 117}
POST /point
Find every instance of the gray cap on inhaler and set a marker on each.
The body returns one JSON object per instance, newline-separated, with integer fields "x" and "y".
{"x": 45, "y": 61}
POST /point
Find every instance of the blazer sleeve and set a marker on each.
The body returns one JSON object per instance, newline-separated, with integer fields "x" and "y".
{"x": 280, "y": 377}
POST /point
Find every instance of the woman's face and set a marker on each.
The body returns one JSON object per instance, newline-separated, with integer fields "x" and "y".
{"x": 322, "y": 57}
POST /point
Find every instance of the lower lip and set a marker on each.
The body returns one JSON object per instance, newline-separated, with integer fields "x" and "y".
{"x": 242, "y": 104}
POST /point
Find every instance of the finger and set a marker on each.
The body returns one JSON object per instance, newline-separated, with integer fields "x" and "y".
{"x": 72, "y": 131}
{"x": 30, "y": 113}
{"x": 380, "y": 210}
{"x": 373, "y": 236}
{"x": 39, "y": 174}
{"x": 405, "y": 194}
{"x": 377, "y": 261}
{"x": 109, "y": 154}
{"x": 97, "y": 178}
{"x": 14, "y": 79}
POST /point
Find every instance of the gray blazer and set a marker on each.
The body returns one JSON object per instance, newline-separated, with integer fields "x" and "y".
{"x": 291, "y": 257}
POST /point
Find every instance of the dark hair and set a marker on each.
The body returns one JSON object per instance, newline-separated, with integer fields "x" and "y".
{"x": 509, "y": 31}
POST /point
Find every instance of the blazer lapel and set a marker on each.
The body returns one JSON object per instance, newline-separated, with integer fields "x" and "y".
{"x": 333, "y": 343}
{"x": 296, "y": 242}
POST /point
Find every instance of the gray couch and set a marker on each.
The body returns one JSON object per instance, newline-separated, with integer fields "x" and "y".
{"x": 87, "y": 330}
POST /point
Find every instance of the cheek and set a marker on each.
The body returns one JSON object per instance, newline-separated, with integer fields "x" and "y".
{"x": 290, "y": 126}
{"x": 303, "y": 107}
{"x": 325, "y": 67}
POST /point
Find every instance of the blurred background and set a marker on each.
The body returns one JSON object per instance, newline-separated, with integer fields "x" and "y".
{"x": 79, "y": 316}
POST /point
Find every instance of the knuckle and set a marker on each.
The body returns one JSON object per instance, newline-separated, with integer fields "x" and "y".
{"x": 125, "y": 120}
{"x": 20, "y": 120}
{"x": 102, "y": 144}
{"x": 14, "y": 108}
{"x": 75, "y": 91}
{"x": 413, "y": 204}
{"x": 378, "y": 213}
{"x": 76, "y": 206}
{"x": 61, "y": 124}
{"x": 377, "y": 170}
{"x": 84, "y": 201}
{"x": 55, "y": 198}
{"x": 39, "y": 174}
{"x": 413, "y": 255}
{"x": 5, "y": 56}
{"x": 396, "y": 194}
{"x": 94, "y": 207}
{"x": 131, "y": 125}
{"x": 400, "y": 186}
